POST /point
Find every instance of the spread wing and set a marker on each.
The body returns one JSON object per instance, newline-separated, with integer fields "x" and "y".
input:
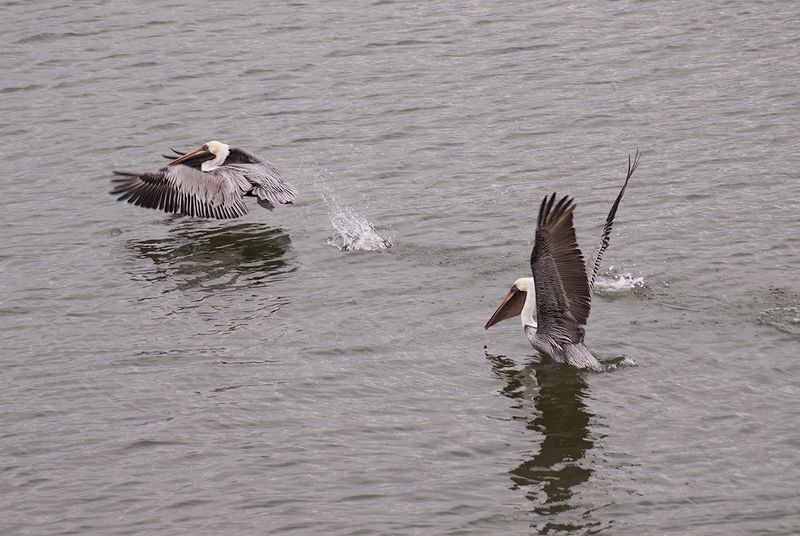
{"x": 184, "y": 190}
{"x": 559, "y": 273}
{"x": 266, "y": 180}
{"x": 593, "y": 266}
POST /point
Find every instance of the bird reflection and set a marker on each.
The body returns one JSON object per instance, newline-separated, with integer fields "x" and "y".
{"x": 550, "y": 477}
{"x": 216, "y": 258}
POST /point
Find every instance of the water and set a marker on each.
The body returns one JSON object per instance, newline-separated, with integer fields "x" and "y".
{"x": 351, "y": 231}
{"x": 162, "y": 375}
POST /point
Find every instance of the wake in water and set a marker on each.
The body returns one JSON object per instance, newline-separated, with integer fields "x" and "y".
{"x": 351, "y": 231}
{"x": 784, "y": 318}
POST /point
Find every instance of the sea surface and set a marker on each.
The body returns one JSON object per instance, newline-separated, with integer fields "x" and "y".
{"x": 322, "y": 369}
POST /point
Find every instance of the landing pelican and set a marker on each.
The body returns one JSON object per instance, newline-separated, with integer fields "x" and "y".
{"x": 208, "y": 182}
{"x": 554, "y": 304}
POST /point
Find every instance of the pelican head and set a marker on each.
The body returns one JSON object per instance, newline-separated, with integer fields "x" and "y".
{"x": 519, "y": 300}
{"x": 206, "y": 157}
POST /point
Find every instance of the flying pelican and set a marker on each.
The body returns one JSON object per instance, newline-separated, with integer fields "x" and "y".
{"x": 208, "y": 182}
{"x": 554, "y": 304}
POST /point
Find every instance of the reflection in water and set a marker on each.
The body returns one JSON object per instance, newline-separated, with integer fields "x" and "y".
{"x": 212, "y": 259}
{"x": 552, "y": 474}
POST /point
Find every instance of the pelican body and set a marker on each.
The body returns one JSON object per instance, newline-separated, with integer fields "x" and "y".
{"x": 210, "y": 181}
{"x": 554, "y": 304}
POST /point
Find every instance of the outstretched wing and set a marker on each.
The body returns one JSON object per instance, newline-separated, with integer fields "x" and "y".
{"x": 562, "y": 290}
{"x": 184, "y": 190}
{"x": 593, "y": 266}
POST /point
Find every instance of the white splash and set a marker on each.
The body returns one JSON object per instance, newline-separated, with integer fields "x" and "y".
{"x": 352, "y": 231}
{"x": 619, "y": 284}
{"x": 619, "y": 362}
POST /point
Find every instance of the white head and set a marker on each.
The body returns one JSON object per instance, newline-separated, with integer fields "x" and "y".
{"x": 220, "y": 152}
{"x": 520, "y": 300}
{"x": 206, "y": 157}
{"x": 524, "y": 284}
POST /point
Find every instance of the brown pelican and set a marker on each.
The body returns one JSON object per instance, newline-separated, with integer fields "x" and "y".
{"x": 554, "y": 304}
{"x": 208, "y": 182}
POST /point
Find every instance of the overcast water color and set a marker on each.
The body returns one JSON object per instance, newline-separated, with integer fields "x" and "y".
{"x": 322, "y": 369}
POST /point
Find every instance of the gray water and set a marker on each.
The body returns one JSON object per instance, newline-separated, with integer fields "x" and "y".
{"x": 323, "y": 369}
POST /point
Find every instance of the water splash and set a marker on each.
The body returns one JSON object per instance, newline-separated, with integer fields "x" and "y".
{"x": 351, "y": 231}
{"x": 619, "y": 284}
{"x": 610, "y": 365}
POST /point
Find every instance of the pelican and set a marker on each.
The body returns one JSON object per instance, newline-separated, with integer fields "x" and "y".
{"x": 207, "y": 182}
{"x": 554, "y": 304}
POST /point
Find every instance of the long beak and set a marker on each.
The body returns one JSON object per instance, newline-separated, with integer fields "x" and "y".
{"x": 195, "y": 156}
{"x": 511, "y": 306}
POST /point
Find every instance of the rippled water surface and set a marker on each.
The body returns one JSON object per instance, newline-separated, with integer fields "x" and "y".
{"x": 323, "y": 369}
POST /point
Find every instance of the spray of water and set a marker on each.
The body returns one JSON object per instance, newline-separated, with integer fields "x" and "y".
{"x": 351, "y": 231}
{"x": 618, "y": 284}
{"x": 611, "y": 365}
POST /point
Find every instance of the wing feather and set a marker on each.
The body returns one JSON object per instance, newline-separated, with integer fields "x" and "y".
{"x": 559, "y": 273}
{"x": 266, "y": 182}
{"x": 593, "y": 266}
{"x": 184, "y": 190}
